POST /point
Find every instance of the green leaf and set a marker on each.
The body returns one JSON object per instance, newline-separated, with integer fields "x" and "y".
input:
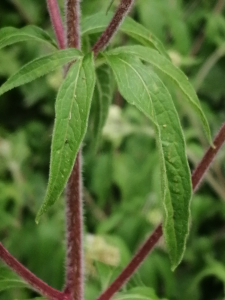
{"x": 98, "y": 22}
{"x": 72, "y": 111}
{"x": 138, "y": 293}
{"x": 11, "y": 284}
{"x": 11, "y": 35}
{"x": 102, "y": 99}
{"x": 39, "y": 67}
{"x": 166, "y": 67}
{"x": 141, "y": 87}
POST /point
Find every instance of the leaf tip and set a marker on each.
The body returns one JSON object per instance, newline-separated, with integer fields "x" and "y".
{"x": 39, "y": 214}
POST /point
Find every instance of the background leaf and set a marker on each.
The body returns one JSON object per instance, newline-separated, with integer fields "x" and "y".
{"x": 138, "y": 293}
{"x": 141, "y": 87}
{"x": 72, "y": 110}
{"x": 102, "y": 99}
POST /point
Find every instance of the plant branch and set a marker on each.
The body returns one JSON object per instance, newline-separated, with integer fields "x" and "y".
{"x": 73, "y": 23}
{"x": 157, "y": 233}
{"x": 122, "y": 10}
{"x": 36, "y": 283}
{"x": 74, "y": 207}
{"x": 74, "y": 223}
{"x": 56, "y": 20}
{"x": 133, "y": 264}
{"x": 204, "y": 164}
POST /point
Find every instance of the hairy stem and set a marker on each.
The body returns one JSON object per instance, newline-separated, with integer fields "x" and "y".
{"x": 122, "y": 10}
{"x": 74, "y": 220}
{"x": 36, "y": 283}
{"x": 73, "y": 23}
{"x": 208, "y": 158}
{"x": 74, "y": 207}
{"x": 56, "y": 20}
{"x": 157, "y": 233}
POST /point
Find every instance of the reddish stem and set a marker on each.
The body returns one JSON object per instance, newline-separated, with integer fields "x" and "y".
{"x": 74, "y": 207}
{"x": 56, "y": 20}
{"x": 122, "y": 10}
{"x": 36, "y": 283}
{"x": 74, "y": 223}
{"x": 157, "y": 233}
{"x": 133, "y": 264}
{"x": 73, "y": 23}
{"x": 208, "y": 158}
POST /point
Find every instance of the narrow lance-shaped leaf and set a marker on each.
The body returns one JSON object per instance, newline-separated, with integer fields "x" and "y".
{"x": 98, "y": 22}
{"x": 39, "y": 67}
{"x": 142, "y": 87}
{"x": 166, "y": 67}
{"x": 11, "y": 35}
{"x": 72, "y": 111}
{"x": 102, "y": 99}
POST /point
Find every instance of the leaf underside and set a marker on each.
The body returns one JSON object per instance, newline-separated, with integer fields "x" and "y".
{"x": 141, "y": 87}
{"x": 167, "y": 68}
{"x": 72, "y": 110}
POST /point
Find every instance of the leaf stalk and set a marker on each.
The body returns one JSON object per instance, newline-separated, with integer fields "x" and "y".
{"x": 121, "y": 12}
{"x": 56, "y": 20}
{"x": 74, "y": 207}
{"x": 35, "y": 282}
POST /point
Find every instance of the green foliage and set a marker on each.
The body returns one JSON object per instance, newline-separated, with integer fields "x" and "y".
{"x": 140, "y": 293}
{"x": 167, "y": 68}
{"x": 72, "y": 111}
{"x": 143, "y": 88}
{"x": 123, "y": 195}
{"x": 102, "y": 99}
{"x": 10, "y": 35}
{"x": 39, "y": 67}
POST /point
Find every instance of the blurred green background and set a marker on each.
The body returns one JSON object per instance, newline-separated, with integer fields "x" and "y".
{"x": 121, "y": 178}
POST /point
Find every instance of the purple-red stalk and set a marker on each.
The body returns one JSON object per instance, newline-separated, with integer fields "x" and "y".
{"x": 74, "y": 233}
{"x": 122, "y": 10}
{"x": 74, "y": 282}
{"x": 73, "y": 23}
{"x": 56, "y": 20}
{"x": 157, "y": 233}
{"x": 208, "y": 158}
{"x": 36, "y": 283}
{"x": 133, "y": 265}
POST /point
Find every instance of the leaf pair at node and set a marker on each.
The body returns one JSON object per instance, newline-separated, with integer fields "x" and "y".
{"x": 141, "y": 86}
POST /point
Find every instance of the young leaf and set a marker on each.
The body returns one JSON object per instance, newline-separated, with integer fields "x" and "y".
{"x": 141, "y": 87}
{"x": 72, "y": 111}
{"x": 11, "y": 35}
{"x": 39, "y": 67}
{"x": 101, "y": 101}
{"x": 166, "y": 67}
{"x": 97, "y": 23}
